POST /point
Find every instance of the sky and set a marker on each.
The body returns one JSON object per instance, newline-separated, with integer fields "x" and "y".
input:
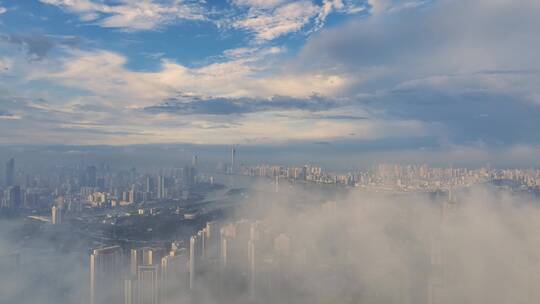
{"x": 458, "y": 74}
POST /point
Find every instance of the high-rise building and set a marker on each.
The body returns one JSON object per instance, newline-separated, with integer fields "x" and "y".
{"x": 12, "y": 198}
{"x": 129, "y": 291}
{"x": 136, "y": 260}
{"x": 152, "y": 256}
{"x": 106, "y": 275}
{"x": 174, "y": 273}
{"x": 10, "y": 172}
{"x": 253, "y": 257}
{"x": 148, "y": 284}
{"x": 233, "y": 159}
{"x": 90, "y": 177}
{"x": 56, "y": 215}
{"x": 149, "y": 185}
{"x": 252, "y": 260}
{"x": 211, "y": 241}
{"x": 161, "y": 189}
{"x": 195, "y": 161}
{"x": 194, "y": 258}
{"x": 189, "y": 175}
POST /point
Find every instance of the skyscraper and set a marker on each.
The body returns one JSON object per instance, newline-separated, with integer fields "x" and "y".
{"x": 136, "y": 260}
{"x": 194, "y": 252}
{"x": 56, "y": 215}
{"x": 10, "y": 172}
{"x": 211, "y": 241}
{"x": 174, "y": 273}
{"x": 161, "y": 193}
{"x": 195, "y": 161}
{"x": 149, "y": 185}
{"x": 189, "y": 174}
{"x": 106, "y": 275}
{"x": 90, "y": 177}
{"x": 233, "y": 159}
{"x": 129, "y": 291}
{"x": 148, "y": 284}
{"x": 152, "y": 256}
{"x": 12, "y": 198}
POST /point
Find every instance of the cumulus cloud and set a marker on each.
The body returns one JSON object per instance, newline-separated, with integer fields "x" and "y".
{"x": 454, "y": 63}
{"x": 3, "y": 10}
{"x": 104, "y": 73}
{"x": 267, "y": 20}
{"x": 450, "y": 67}
{"x": 268, "y": 25}
{"x": 273, "y": 19}
{"x": 132, "y": 15}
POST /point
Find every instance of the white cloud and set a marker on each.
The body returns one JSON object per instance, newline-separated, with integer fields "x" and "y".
{"x": 132, "y": 15}
{"x": 5, "y": 64}
{"x": 110, "y": 109}
{"x": 273, "y": 19}
{"x": 340, "y": 6}
{"x": 258, "y": 3}
{"x": 245, "y": 73}
{"x": 2, "y": 10}
{"x": 271, "y": 24}
{"x": 266, "y": 19}
{"x": 453, "y": 70}
{"x": 382, "y": 6}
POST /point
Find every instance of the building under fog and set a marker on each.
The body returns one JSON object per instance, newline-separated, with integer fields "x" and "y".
{"x": 106, "y": 275}
{"x": 148, "y": 286}
{"x": 10, "y": 173}
{"x": 56, "y": 215}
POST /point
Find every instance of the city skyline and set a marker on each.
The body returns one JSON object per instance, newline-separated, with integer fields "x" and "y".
{"x": 269, "y": 151}
{"x": 201, "y": 232}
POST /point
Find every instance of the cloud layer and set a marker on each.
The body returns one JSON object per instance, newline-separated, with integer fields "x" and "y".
{"x": 461, "y": 73}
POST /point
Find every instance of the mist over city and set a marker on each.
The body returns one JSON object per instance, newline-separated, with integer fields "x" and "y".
{"x": 269, "y": 151}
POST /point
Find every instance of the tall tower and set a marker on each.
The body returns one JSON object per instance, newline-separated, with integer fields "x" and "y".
{"x": 56, "y": 215}
{"x": 149, "y": 184}
{"x": 174, "y": 273}
{"x": 152, "y": 256}
{"x": 233, "y": 159}
{"x": 195, "y": 161}
{"x": 136, "y": 260}
{"x": 129, "y": 291}
{"x": 161, "y": 193}
{"x": 10, "y": 172}
{"x": 148, "y": 284}
{"x": 106, "y": 275}
{"x": 12, "y": 198}
{"x": 194, "y": 252}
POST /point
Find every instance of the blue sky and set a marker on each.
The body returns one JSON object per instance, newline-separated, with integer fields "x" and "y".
{"x": 461, "y": 74}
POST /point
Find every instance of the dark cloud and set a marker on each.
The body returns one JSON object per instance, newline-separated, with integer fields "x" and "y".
{"x": 37, "y": 46}
{"x": 467, "y": 116}
{"x": 95, "y": 131}
{"x": 470, "y": 67}
{"x": 4, "y": 113}
{"x": 231, "y": 106}
{"x": 341, "y": 117}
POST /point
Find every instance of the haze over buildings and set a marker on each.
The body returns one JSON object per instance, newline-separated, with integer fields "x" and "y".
{"x": 269, "y": 151}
